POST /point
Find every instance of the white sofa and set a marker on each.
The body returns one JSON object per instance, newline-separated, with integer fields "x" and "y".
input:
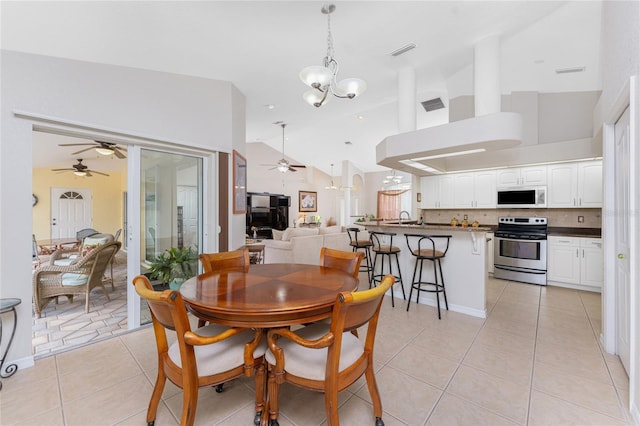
{"x": 302, "y": 245}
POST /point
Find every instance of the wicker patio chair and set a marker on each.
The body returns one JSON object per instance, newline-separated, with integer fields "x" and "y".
{"x": 51, "y": 281}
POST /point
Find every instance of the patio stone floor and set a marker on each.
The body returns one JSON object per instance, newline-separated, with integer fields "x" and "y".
{"x": 65, "y": 325}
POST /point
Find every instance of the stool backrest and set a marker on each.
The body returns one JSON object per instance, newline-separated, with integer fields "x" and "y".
{"x": 378, "y": 239}
{"x": 428, "y": 245}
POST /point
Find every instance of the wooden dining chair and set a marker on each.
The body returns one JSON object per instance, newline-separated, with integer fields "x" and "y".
{"x": 237, "y": 260}
{"x": 207, "y": 356}
{"x": 328, "y": 358}
{"x": 347, "y": 261}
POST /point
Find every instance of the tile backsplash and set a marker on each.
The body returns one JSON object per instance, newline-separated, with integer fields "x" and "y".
{"x": 556, "y": 217}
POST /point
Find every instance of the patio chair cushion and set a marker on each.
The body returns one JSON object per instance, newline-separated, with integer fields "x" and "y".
{"x": 72, "y": 279}
{"x": 311, "y": 363}
{"x": 224, "y": 355}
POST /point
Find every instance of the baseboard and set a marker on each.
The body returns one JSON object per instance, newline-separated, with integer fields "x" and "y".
{"x": 453, "y": 307}
{"x": 22, "y": 363}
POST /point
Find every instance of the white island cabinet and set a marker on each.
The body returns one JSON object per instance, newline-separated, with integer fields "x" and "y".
{"x": 464, "y": 267}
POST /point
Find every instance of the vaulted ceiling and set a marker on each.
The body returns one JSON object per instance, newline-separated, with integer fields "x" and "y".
{"x": 261, "y": 46}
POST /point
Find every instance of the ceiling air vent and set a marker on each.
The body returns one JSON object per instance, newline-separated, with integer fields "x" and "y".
{"x": 403, "y": 49}
{"x": 432, "y": 104}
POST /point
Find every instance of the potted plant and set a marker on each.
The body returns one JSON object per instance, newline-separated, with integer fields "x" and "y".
{"x": 174, "y": 266}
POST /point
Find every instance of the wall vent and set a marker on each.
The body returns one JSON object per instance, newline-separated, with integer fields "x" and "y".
{"x": 432, "y": 104}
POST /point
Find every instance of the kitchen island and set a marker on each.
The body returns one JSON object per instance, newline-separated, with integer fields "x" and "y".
{"x": 464, "y": 267}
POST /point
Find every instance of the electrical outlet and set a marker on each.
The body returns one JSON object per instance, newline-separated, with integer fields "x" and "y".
{"x": 580, "y": 219}
{"x": 466, "y": 216}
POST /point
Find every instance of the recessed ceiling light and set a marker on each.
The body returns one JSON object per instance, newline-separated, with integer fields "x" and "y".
{"x": 450, "y": 154}
{"x": 269, "y": 106}
{"x": 360, "y": 117}
{"x": 348, "y": 143}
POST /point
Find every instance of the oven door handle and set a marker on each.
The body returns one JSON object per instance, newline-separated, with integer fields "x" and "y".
{"x": 533, "y": 240}
{"x": 514, "y": 269}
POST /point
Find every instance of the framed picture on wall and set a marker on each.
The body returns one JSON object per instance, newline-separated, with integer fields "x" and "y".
{"x": 307, "y": 201}
{"x": 239, "y": 183}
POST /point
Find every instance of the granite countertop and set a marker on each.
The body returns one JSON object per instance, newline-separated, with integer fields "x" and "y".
{"x": 562, "y": 231}
{"x": 438, "y": 226}
{"x": 565, "y": 231}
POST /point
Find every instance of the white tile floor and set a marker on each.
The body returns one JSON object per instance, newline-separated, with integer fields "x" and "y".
{"x": 534, "y": 361}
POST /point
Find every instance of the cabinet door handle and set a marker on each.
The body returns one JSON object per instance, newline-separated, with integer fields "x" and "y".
{"x": 583, "y": 254}
{"x": 580, "y": 201}
{"x": 577, "y": 252}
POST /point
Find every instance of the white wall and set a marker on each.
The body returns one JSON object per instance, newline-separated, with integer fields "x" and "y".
{"x": 621, "y": 59}
{"x": 184, "y": 110}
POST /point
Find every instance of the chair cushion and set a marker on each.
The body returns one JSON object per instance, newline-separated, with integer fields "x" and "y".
{"x": 72, "y": 279}
{"x": 277, "y": 235}
{"x": 311, "y": 363}
{"x": 65, "y": 261}
{"x": 428, "y": 253}
{"x": 90, "y": 243}
{"x": 221, "y": 356}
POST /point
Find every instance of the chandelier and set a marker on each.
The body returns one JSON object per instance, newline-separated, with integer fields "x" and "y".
{"x": 332, "y": 186}
{"x": 322, "y": 78}
{"x": 392, "y": 179}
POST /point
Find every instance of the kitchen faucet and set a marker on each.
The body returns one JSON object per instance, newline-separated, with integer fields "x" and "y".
{"x": 407, "y": 214}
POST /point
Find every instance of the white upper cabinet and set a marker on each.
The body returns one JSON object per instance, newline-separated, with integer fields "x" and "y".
{"x": 576, "y": 185}
{"x": 590, "y": 184}
{"x": 475, "y": 190}
{"x": 437, "y": 192}
{"x": 522, "y": 176}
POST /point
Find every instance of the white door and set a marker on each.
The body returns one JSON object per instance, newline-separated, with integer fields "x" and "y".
{"x": 70, "y": 211}
{"x": 622, "y": 273}
{"x": 188, "y": 200}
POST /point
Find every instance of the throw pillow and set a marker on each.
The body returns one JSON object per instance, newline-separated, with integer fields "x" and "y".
{"x": 298, "y": 232}
{"x": 277, "y": 235}
{"x": 330, "y": 230}
{"x": 91, "y": 243}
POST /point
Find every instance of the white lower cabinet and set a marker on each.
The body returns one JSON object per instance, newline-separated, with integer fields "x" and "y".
{"x": 576, "y": 261}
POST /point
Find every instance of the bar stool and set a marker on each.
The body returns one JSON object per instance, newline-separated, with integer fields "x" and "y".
{"x": 423, "y": 247}
{"x": 364, "y": 245}
{"x": 384, "y": 250}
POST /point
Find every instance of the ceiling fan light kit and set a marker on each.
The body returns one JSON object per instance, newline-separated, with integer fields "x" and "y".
{"x": 283, "y": 165}
{"x": 80, "y": 170}
{"x": 102, "y": 148}
{"x": 322, "y": 78}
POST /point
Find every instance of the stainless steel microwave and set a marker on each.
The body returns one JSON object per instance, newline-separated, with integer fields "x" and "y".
{"x": 523, "y": 196}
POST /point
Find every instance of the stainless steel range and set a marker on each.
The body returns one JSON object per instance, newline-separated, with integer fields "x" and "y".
{"x": 520, "y": 249}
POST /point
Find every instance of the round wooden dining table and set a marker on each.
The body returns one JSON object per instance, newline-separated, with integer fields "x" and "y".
{"x": 267, "y": 295}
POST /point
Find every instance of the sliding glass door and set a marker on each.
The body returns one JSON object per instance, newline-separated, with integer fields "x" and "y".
{"x": 169, "y": 193}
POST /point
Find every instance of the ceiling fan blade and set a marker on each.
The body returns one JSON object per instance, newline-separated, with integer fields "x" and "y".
{"x": 75, "y": 144}
{"x": 98, "y": 173}
{"x": 298, "y": 165}
{"x": 117, "y": 153}
{"x": 82, "y": 150}
{"x": 62, "y": 170}
{"x": 291, "y": 169}
{"x": 88, "y": 173}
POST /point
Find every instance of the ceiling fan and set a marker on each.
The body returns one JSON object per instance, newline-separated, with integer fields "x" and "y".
{"x": 103, "y": 148}
{"x": 80, "y": 170}
{"x": 283, "y": 165}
